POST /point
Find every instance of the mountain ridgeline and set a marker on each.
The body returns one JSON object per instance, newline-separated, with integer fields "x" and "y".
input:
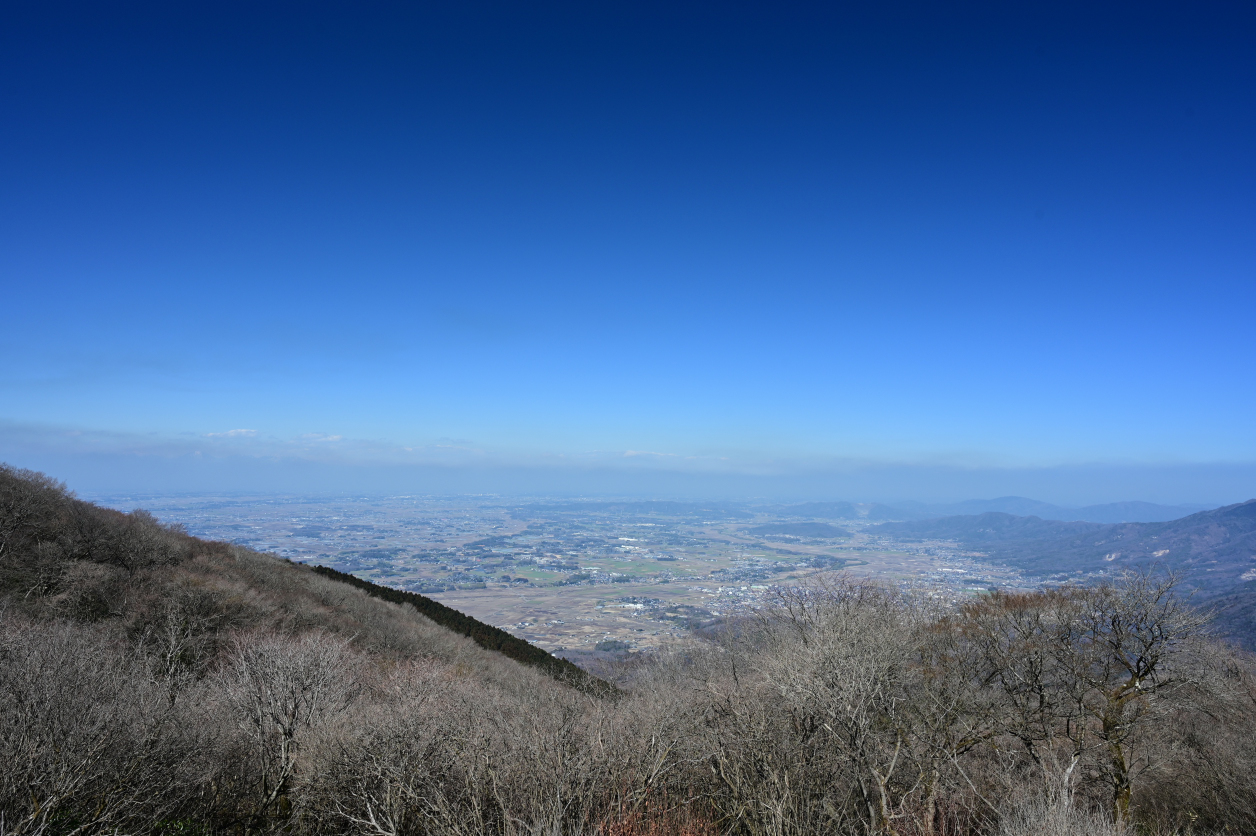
{"x": 485, "y": 635}
{"x": 1113, "y": 512}
{"x": 863, "y": 511}
{"x": 1214, "y": 552}
{"x": 61, "y": 555}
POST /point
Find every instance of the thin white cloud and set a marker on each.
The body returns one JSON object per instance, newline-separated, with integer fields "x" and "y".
{"x": 233, "y": 434}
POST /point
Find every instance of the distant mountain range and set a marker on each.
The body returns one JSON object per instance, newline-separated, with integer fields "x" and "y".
{"x": 1214, "y": 551}
{"x": 1113, "y": 512}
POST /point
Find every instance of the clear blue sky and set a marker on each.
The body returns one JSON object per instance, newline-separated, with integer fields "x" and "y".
{"x": 726, "y": 239}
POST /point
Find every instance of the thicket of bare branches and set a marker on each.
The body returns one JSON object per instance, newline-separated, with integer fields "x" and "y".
{"x": 158, "y": 684}
{"x": 89, "y": 742}
{"x": 839, "y": 709}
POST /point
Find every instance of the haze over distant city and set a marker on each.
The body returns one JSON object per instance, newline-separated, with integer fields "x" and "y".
{"x": 908, "y": 252}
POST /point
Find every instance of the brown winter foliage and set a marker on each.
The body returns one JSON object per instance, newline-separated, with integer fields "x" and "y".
{"x": 154, "y": 683}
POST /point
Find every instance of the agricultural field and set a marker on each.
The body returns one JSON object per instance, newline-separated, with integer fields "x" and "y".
{"x": 580, "y": 577}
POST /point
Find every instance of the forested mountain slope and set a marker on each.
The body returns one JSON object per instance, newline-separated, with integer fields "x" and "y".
{"x": 154, "y": 684}
{"x": 62, "y": 557}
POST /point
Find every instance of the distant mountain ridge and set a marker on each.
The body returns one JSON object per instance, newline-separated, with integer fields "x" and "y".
{"x": 1112, "y": 512}
{"x": 1214, "y": 551}
{"x": 1220, "y": 543}
{"x": 993, "y": 528}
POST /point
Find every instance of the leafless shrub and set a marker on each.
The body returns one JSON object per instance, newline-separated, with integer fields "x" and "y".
{"x": 87, "y": 744}
{"x": 1198, "y": 766}
{"x": 1042, "y": 817}
{"x": 31, "y": 508}
{"x": 281, "y": 689}
{"x": 140, "y": 541}
{"x": 841, "y": 707}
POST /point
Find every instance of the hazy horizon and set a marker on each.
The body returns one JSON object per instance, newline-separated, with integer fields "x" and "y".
{"x": 96, "y": 466}
{"x": 798, "y": 252}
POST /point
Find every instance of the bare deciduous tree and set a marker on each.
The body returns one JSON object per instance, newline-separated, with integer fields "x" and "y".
{"x": 281, "y": 688}
{"x": 87, "y": 743}
{"x": 1081, "y": 669}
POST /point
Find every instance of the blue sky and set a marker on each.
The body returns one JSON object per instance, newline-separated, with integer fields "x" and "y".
{"x": 903, "y": 250}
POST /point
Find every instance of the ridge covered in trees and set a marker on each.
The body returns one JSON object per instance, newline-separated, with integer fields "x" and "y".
{"x": 485, "y": 635}
{"x": 79, "y": 555}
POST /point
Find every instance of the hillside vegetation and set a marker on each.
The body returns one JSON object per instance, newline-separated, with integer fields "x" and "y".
{"x": 153, "y": 683}
{"x": 485, "y": 635}
{"x": 61, "y": 557}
